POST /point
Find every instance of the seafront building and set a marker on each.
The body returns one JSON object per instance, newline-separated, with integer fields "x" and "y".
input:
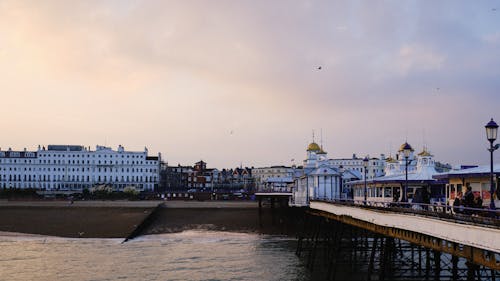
{"x": 75, "y": 167}
{"x": 388, "y": 188}
{"x": 273, "y": 177}
{"x": 202, "y": 178}
{"x": 374, "y": 169}
{"x": 199, "y": 178}
{"x": 319, "y": 178}
{"x": 478, "y": 178}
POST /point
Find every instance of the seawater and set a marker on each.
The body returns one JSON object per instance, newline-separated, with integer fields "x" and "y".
{"x": 189, "y": 255}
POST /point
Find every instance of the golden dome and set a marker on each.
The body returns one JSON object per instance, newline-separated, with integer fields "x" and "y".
{"x": 313, "y": 147}
{"x": 424, "y": 153}
{"x": 391, "y": 160}
{"x": 405, "y": 145}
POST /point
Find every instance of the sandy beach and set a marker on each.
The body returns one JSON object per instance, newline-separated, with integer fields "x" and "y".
{"x": 89, "y": 203}
{"x": 117, "y": 219}
{"x": 78, "y": 220}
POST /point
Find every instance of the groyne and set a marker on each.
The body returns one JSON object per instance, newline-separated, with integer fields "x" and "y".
{"x": 146, "y": 222}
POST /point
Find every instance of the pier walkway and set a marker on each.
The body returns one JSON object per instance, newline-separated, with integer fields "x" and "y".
{"x": 477, "y": 243}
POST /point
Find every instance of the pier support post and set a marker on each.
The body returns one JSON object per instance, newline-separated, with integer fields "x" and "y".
{"x": 437, "y": 265}
{"x": 302, "y": 235}
{"x": 372, "y": 257}
{"x": 412, "y": 258}
{"x": 427, "y": 263}
{"x": 337, "y": 248}
{"x": 314, "y": 241}
{"x": 419, "y": 259}
{"x": 471, "y": 270}
{"x": 383, "y": 258}
{"x": 454, "y": 268}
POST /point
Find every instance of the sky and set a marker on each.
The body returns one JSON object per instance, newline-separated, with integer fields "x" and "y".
{"x": 238, "y": 82}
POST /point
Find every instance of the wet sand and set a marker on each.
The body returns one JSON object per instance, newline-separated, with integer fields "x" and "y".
{"x": 235, "y": 219}
{"x": 117, "y": 219}
{"x": 89, "y": 203}
{"x": 82, "y": 219}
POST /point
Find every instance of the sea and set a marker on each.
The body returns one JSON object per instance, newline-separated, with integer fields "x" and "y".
{"x": 187, "y": 255}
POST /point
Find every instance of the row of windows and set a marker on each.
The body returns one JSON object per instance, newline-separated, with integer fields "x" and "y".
{"x": 269, "y": 171}
{"x": 93, "y": 155}
{"x": 76, "y": 178}
{"x": 357, "y": 163}
{"x": 374, "y": 171}
{"x": 71, "y": 186}
{"x": 105, "y": 169}
{"x": 7, "y": 161}
{"x": 377, "y": 192}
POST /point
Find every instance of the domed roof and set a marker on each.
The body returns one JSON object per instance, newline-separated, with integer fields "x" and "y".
{"x": 391, "y": 160}
{"x": 424, "y": 153}
{"x": 313, "y": 147}
{"x": 405, "y": 146}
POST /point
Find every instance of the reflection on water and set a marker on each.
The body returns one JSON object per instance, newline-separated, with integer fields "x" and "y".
{"x": 189, "y": 255}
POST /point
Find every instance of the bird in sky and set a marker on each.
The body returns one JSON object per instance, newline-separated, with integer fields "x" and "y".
{"x": 319, "y": 67}
{"x": 231, "y": 132}
{"x": 494, "y": 9}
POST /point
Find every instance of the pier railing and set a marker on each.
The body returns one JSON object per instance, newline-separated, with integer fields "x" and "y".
{"x": 486, "y": 217}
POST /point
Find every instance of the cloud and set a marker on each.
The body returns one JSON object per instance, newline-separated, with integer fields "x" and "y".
{"x": 417, "y": 59}
{"x": 178, "y": 75}
{"x": 492, "y": 38}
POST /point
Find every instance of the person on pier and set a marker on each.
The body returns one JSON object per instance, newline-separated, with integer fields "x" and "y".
{"x": 469, "y": 199}
{"x": 458, "y": 203}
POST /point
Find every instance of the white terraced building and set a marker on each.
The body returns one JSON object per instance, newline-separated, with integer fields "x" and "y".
{"x": 75, "y": 167}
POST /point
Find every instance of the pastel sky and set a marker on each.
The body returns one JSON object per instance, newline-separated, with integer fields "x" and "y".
{"x": 235, "y": 82}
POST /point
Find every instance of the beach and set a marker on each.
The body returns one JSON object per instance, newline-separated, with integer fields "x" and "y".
{"x": 82, "y": 219}
{"x": 117, "y": 219}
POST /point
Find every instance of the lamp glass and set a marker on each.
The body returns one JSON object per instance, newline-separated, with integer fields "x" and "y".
{"x": 491, "y": 133}
{"x": 491, "y": 130}
{"x": 365, "y": 162}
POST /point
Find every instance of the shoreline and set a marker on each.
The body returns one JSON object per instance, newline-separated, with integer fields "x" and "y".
{"x": 118, "y": 219}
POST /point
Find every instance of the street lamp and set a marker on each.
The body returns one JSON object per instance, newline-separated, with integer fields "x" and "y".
{"x": 491, "y": 135}
{"x": 406, "y": 148}
{"x": 365, "y": 164}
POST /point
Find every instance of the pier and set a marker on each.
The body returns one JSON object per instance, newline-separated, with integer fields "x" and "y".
{"x": 388, "y": 245}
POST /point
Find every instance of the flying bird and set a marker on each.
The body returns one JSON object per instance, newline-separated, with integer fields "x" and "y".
{"x": 319, "y": 67}
{"x": 494, "y": 9}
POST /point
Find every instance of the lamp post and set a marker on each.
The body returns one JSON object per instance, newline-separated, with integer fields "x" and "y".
{"x": 491, "y": 135}
{"x": 365, "y": 164}
{"x": 406, "y": 153}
